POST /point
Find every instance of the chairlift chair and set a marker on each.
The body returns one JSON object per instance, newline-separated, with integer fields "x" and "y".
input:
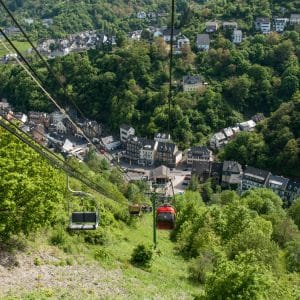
{"x": 83, "y": 220}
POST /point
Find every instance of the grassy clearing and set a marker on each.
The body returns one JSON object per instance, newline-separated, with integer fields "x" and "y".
{"x": 103, "y": 270}
{"x": 22, "y": 46}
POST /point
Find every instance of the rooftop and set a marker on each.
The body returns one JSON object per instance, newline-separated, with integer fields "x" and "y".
{"x": 189, "y": 79}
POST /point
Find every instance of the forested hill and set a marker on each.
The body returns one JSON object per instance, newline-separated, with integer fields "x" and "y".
{"x": 111, "y": 16}
{"x": 276, "y": 144}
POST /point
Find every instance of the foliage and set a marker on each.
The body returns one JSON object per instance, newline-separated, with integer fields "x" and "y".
{"x": 141, "y": 256}
{"x": 32, "y": 192}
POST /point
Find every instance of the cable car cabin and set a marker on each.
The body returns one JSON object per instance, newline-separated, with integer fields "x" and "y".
{"x": 135, "y": 210}
{"x": 84, "y": 221}
{"x": 165, "y": 217}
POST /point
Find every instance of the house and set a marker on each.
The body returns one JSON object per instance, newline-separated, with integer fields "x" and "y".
{"x": 110, "y": 143}
{"x": 203, "y": 42}
{"x": 292, "y": 190}
{"x": 38, "y": 133}
{"x": 21, "y": 116}
{"x": 4, "y": 105}
{"x": 232, "y": 174}
{"x": 135, "y": 35}
{"x": 237, "y": 36}
{"x": 199, "y": 153}
{"x": 91, "y": 129}
{"x": 35, "y": 117}
{"x": 160, "y": 176}
{"x": 162, "y": 137}
{"x": 278, "y": 184}
{"x": 295, "y": 19}
{"x": 263, "y": 24}
{"x": 182, "y": 41}
{"x": 60, "y": 127}
{"x": 47, "y": 22}
{"x": 218, "y": 140}
{"x": 228, "y": 133}
{"x": 235, "y": 129}
{"x": 211, "y": 27}
{"x": 229, "y": 25}
{"x": 167, "y": 34}
{"x": 204, "y": 170}
{"x": 192, "y": 83}
{"x": 134, "y": 145}
{"x": 147, "y": 152}
{"x": 168, "y": 154}
{"x": 125, "y": 132}
{"x": 280, "y": 23}
{"x": 247, "y": 126}
{"x": 141, "y": 15}
{"x": 254, "y": 178}
{"x": 56, "y": 116}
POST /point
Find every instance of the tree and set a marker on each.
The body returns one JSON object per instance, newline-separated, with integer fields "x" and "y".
{"x": 294, "y": 212}
{"x": 31, "y": 193}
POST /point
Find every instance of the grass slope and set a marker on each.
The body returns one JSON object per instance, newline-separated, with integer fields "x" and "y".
{"x": 76, "y": 270}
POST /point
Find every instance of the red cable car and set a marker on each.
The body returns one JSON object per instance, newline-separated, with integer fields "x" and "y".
{"x": 165, "y": 217}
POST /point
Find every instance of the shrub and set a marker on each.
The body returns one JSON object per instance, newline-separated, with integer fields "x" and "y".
{"x": 98, "y": 237}
{"x": 59, "y": 237}
{"x": 142, "y": 256}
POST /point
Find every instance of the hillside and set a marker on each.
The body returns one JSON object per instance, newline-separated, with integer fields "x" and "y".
{"x": 250, "y": 238}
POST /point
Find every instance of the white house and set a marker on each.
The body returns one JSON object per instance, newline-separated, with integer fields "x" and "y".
{"x": 110, "y": 143}
{"x": 125, "y": 132}
{"x": 162, "y": 137}
{"x": 295, "y": 19}
{"x": 141, "y": 15}
{"x": 280, "y": 23}
{"x": 263, "y": 24}
{"x": 147, "y": 153}
{"x": 237, "y": 36}
{"x": 203, "y": 42}
{"x": 247, "y": 126}
{"x": 192, "y": 83}
{"x": 218, "y": 140}
{"x": 211, "y": 26}
{"x": 167, "y": 34}
{"x": 199, "y": 153}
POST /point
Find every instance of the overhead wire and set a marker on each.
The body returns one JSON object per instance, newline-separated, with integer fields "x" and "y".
{"x": 57, "y": 79}
{"x": 36, "y": 78}
{"x": 54, "y": 159}
{"x": 170, "y": 96}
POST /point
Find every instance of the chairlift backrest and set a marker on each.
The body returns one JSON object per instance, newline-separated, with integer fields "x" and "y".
{"x": 84, "y": 217}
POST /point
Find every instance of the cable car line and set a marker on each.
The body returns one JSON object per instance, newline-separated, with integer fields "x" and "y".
{"x": 37, "y": 81}
{"x": 170, "y": 96}
{"x": 56, "y": 79}
{"x": 54, "y": 159}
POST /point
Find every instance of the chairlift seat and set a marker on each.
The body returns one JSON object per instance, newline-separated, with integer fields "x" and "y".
{"x": 84, "y": 221}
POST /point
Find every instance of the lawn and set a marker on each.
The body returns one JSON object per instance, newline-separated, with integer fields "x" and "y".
{"x": 21, "y": 46}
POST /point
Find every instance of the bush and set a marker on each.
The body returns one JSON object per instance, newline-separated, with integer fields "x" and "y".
{"x": 142, "y": 256}
{"x": 98, "y": 237}
{"x": 59, "y": 237}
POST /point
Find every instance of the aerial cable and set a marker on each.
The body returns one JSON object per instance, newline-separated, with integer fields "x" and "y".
{"x": 54, "y": 75}
{"x": 44, "y": 90}
{"x": 54, "y": 160}
{"x": 170, "y": 96}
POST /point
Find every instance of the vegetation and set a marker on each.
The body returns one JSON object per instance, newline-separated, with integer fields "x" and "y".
{"x": 235, "y": 247}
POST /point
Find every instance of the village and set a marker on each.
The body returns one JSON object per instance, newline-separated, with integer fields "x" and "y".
{"x": 157, "y": 160}
{"x": 93, "y": 39}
